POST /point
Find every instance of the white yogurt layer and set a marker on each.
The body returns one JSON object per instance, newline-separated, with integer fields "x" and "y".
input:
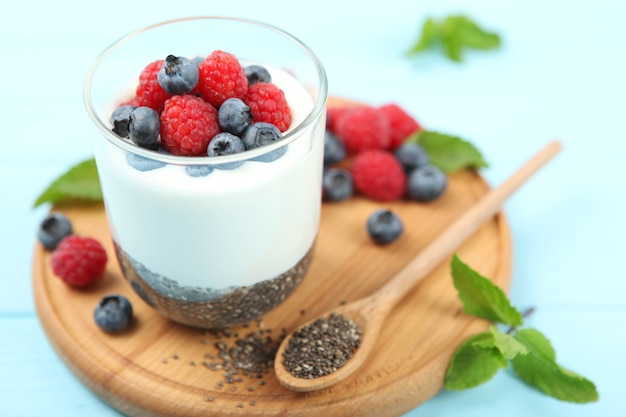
{"x": 232, "y": 227}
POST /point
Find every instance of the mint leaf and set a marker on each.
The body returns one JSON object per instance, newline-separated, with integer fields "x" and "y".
{"x": 474, "y": 362}
{"x": 507, "y": 344}
{"x": 452, "y": 42}
{"x": 480, "y": 297}
{"x": 427, "y": 37}
{"x": 450, "y": 153}
{"x": 80, "y": 182}
{"x": 472, "y": 35}
{"x": 539, "y": 369}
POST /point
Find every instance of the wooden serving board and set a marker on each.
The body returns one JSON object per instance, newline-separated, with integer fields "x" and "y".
{"x": 154, "y": 367}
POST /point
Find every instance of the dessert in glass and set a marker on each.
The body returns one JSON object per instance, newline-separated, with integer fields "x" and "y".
{"x": 212, "y": 241}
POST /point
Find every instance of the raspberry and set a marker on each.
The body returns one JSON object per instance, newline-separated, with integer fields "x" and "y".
{"x": 78, "y": 260}
{"x": 149, "y": 92}
{"x": 268, "y": 104}
{"x": 401, "y": 124}
{"x": 378, "y": 175}
{"x": 221, "y": 78}
{"x": 362, "y": 129}
{"x": 332, "y": 115}
{"x": 188, "y": 124}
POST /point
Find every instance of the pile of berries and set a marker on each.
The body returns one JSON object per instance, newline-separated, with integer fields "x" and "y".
{"x": 366, "y": 151}
{"x": 80, "y": 261}
{"x": 203, "y": 107}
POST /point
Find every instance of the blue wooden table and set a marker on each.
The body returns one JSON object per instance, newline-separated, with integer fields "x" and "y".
{"x": 559, "y": 74}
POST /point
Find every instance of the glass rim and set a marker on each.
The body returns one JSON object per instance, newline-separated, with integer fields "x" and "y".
{"x": 124, "y": 144}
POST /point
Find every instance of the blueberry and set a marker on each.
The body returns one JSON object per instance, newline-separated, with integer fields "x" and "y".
{"x": 198, "y": 170}
{"x": 260, "y": 134}
{"x": 426, "y": 183}
{"x": 113, "y": 313}
{"x": 144, "y": 126}
{"x": 337, "y": 184}
{"x": 257, "y": 74}
{"x": 234, "y": 116}
{"x": 411, "y": 156}
{"x": 225, "y": 144}
{"x": 197, "y": 60}
{"x": 143, "y": 164}
{"x": 384, "y": 226}
{"x": 119, "y": 120}
{"x": 334, "y": 149}
{"x": 178, "y": 75}
{"x": 53, "y": 229}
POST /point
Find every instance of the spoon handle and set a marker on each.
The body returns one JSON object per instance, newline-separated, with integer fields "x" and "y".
{"x": 448, "y": 241}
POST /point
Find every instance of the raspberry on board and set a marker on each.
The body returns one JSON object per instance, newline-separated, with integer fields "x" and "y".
{"x": 188, "y": 124}
{"x": 377, "y": 174}
{"x": 221, "y": 78}
{"x": 332, "y": 115}
{"x": 363, "y": 128}
{"x": 78, "y": 260}
{"x": 401, "y": 124}
{"x": 149, "y": 92}
{"x": 268, "y": 104}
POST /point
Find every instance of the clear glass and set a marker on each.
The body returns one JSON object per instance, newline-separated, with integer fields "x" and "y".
{"x": 206, "y": 246}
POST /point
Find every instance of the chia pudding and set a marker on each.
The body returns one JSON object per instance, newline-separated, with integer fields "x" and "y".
{"x": 209, "y": 246}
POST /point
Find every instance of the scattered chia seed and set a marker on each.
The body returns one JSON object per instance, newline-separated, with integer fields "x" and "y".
{"x": 322, "y": 347}
{"x": 175, "y": 356}
{"x": 250, "y": 388}
{"x": 240, "y": 405}
{"x": 164, "y": 360}
{"x": 192, "y": 363}
{"x": 252, "y": 402}
{"x": 210, "y": 398}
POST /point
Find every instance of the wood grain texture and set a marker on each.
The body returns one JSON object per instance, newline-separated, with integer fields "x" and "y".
{"x": 405, "y": 369}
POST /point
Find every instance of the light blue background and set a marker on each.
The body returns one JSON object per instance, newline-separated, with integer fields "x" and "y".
{"x": 559, "y": 74}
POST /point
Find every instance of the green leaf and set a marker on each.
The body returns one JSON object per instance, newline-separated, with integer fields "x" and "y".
{"x": 472, "y": 35}
{"x": 452, "y": 42}
{"x": 474, "y": 362}
{"x": 427, "y": 37}
{"x": 450, "y": 153}
{"x": 539, "y": 369}
{"x": 480, "y": 297}
{"x": 507, "y": 344}
{"x": 80, "y": 182}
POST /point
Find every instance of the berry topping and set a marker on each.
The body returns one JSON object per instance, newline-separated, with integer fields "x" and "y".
{"x": 401, "y": 124}
{"x": 384, "y": 226}
{"x": 188, "y": 124}
{"x": 337, "y": 184}
{"x": 378, "y": 175}
{"x": 257, "y": 74}
{"x": 411, "y": 155}
{"x": 78, "y": 261}
{"x": 334, "y": 150}
{"x": 113, "y": 313}
{"x": 362, "y": 129}
{"x": 198, "y": 171}
{"x": 53, "y": 229}
{"x": 221, "y": 78}
{"x": 426, "y": 183}
{"x": 178, "y": 75}
{"x": 141, "y": 163}
{"x": 119, "y": 120}
{"x": 226, "y": 144}
{"x": 261, "y": 134}
{"x": 144, "y": 127}
{"x": 149, "y": 92}
{"x": 268, "y": 104}
{"x": 234, "y": 116}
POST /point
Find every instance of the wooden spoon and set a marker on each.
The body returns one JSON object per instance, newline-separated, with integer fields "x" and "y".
{"x": 369, "y": 313}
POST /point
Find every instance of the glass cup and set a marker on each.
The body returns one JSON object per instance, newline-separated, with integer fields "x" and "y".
{"x": 212, "y": 242}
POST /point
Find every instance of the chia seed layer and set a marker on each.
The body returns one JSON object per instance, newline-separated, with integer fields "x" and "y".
{"x": 211, "y": 308}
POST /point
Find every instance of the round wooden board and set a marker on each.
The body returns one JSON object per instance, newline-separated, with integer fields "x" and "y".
{"x": 148, "y": 371}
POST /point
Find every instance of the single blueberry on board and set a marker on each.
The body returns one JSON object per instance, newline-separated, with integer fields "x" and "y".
{"x": 144, "y": 126}
{"x": 257, "y": 74}
{"x": 178, "y": 75}
{"x": 53, "y": 229}
{"x": 113, "y": 313}
{"x": 226, "y": 144}
{"x": 120, "y": 118}
{"x": 384, "y": 226}
{"x": 411, "y": 155}
{"x": 334, "y": 149}
{"x": 337, "y": 184}
{"x": 234, "y": 116}
{"x": 426, "y": 183}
